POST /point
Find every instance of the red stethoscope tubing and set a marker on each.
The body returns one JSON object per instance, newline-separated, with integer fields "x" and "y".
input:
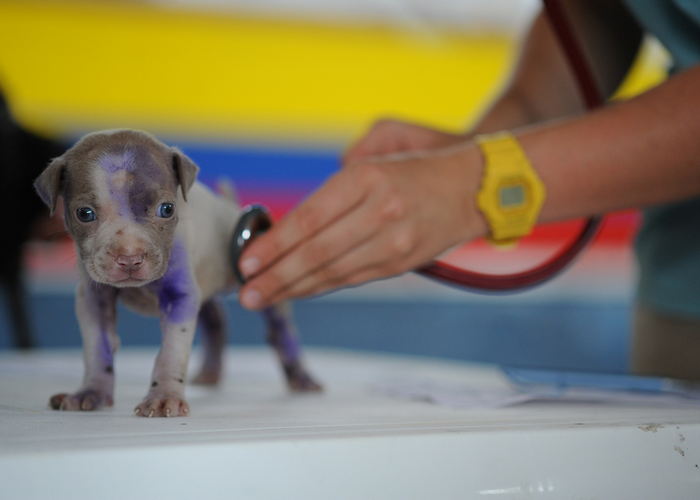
{"x": 592, "y": 98}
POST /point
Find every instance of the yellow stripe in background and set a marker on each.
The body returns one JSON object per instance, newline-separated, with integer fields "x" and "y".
{"x": 70, "y": 66}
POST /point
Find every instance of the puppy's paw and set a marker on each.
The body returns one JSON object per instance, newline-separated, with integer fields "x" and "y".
{"x": 83, "y": 400}
{"x": 298, "y": 380}
{"x": 162, "y": 406}
{"x": 304, "y": 384}
{"x": 207, "y": 377}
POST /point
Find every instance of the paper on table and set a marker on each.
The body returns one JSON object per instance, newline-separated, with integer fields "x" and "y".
{"x": 452, "y": 396}
{"x": 460, "y": 396}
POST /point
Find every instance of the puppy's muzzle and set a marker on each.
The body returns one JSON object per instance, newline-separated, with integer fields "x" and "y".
{"x": 130, "y": 263}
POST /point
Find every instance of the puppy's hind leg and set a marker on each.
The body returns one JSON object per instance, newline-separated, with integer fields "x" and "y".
{"x": 281, "y": 336}
{"x": 212, "y": 323}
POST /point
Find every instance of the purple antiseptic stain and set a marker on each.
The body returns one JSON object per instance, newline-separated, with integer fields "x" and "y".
{"x": 101, "y": 303}
{"x": 115, "y": 164}
{"x": 176, "y": 289}
{"x": 281, "y": 335}
{"x": 135, "y": 196}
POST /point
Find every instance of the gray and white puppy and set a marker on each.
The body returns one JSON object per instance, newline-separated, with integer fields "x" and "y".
{"x": 148, "y": 234}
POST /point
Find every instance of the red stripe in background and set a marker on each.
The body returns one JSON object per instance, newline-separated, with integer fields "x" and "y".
{"x": 279, "y": 201}
{"x": 618, "y": 228}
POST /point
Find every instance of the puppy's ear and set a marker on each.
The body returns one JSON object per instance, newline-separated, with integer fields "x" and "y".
{"x": 49, "y": 185}
{"x": 185, "y": 171}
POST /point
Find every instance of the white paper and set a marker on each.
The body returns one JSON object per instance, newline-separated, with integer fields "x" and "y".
{"x": 474, "y": 397}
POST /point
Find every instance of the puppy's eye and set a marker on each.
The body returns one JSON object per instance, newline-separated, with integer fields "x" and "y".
{"x": 85, "y": 214}
{"x": 166, "y": 210}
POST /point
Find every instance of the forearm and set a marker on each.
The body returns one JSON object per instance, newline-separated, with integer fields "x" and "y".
{"x": 542, "y": 86}
{"x": 638, "y": 153}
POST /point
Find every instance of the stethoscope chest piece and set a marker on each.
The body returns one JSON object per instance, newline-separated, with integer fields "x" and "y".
{"x": 254, "y": 220}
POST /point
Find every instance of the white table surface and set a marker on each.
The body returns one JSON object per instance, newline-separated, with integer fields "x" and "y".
{"x": 251, "y": 439}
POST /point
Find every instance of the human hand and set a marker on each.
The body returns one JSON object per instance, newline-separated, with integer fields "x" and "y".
{"x": 393, "y": 136}
{"x": 381, "y": 217}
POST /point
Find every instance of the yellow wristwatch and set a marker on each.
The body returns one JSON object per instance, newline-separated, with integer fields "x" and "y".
{"x": 511, "y": 194}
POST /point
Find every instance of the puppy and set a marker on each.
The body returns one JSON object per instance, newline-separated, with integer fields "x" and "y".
{"x": 148, "y": 234}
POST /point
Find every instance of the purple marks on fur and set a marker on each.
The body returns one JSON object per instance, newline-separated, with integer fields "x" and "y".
{"x": 140, "y": 178}
{"x": 121, "y": 198}
{"x": 116, "y": 162}
{"x": 105, "y": 350}
{"x": 281, "y": 335}
{"x": 141, "y": 199}
{"x": 102, "y": 301}
{"x": 176, "y": 289}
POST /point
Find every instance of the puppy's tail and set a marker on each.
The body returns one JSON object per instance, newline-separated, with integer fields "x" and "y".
{"x": 227, "y": 190}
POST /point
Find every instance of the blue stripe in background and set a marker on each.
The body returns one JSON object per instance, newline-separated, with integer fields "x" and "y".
{"x": 260, "y": 167}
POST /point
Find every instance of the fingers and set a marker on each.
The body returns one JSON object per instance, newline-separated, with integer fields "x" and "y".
{"x": 326, "y": 205}
{"x": 374, "y": 259}
{"x": 384, "y": 137}
{"x": 392, "y": 136}
{"x": 372, "y": 143}
{"x": 377, "y": 240}
{"x": 313, "y": 255}
{"x": 384, "y": 217}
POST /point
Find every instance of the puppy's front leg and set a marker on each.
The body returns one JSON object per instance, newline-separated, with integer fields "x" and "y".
{"x": 179, "y": 302}
{"x": 95, "y": 306}
{"x": 166, "y": 397}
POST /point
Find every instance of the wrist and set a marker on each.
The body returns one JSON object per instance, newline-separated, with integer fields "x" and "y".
{"x": 466, "y": 164}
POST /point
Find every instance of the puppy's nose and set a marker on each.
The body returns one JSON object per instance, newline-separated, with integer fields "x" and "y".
{"x": 130, "y": 262}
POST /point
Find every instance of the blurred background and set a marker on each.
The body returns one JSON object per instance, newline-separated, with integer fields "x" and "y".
{"x": 267, "y": 94}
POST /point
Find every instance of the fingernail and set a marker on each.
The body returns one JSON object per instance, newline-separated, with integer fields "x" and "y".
{"x": 250, "y": 266}
{"x": 251, "y": 299}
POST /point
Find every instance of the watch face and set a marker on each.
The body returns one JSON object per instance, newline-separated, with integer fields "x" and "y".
{"x": 510, "y": 197}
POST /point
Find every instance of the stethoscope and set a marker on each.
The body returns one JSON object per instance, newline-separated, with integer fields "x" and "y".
{"x": 256, "y": 219}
